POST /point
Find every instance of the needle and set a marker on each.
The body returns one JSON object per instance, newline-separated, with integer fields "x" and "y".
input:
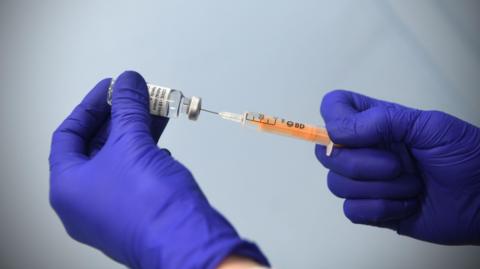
{"x": 209, "y": 111}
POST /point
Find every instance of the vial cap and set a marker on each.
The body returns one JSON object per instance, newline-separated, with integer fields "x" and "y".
{"x": 194, "y": 108}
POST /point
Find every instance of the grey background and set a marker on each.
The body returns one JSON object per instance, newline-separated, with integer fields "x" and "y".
{"x": 278, "y": 57}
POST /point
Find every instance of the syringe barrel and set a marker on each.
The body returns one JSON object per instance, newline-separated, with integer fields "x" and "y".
{"x": 285, "y": 127}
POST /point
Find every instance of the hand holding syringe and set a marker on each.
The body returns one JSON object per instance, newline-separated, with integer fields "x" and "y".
{"x": 167, "y": 102}
{"x": 270, "y": 124}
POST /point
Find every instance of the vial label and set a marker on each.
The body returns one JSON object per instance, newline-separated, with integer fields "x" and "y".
{"x": 159, "y": 100}
{"x": 159, "y": 104}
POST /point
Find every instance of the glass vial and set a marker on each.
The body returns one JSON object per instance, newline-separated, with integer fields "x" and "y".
{"x": 167, "y": 102}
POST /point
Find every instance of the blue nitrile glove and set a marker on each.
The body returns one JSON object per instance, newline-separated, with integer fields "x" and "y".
{"x": 115, "y": 190}
{"x": 417, "y": 172}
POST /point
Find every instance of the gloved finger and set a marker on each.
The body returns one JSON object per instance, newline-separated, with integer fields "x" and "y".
{"x": 405, "y": 157}
{"x": 74, "y": 134}
{"x": 339, "y": 104}
{"x": 355, "y": 120}
{"x": 130, "y": 109}
{"x": 378, "y": 211}
{"x": 402, "y": 187}
{"x": 100, "y": 138}
{"x": 360, "y": 163}
{"x": 157, "y": 126}
{"x": 167, "y": 151}
{"x": 372, "y": 126}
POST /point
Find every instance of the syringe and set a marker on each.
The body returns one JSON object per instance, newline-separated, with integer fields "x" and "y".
{"x": 281, "y": 126}
{"x": 167, "y": 102}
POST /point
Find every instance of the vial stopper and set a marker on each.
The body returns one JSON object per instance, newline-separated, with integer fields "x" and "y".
{"x": 194, "y": 108}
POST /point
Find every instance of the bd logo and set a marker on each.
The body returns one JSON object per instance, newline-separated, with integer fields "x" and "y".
{"x": 295, "y": 124}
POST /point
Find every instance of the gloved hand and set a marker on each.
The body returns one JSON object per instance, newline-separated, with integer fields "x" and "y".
{"x": 115, "y": 190}
{"x": 417, "y": 172}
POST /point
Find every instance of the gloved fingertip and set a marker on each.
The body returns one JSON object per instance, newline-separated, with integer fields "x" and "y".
{"x": 104, "y": 83}
{"x": 361, "y": 211}
{"x": 131, "y": 80}
{"x": 326, "y": 160}
{"x": 130, "y": 91}
{"x": 362, "y": 129}
{"x": 130, "y": 106}
{"x": 376, "y": 211}
{"x": 167, "y": 151}
{"x": 340, "y": 131}
{"x": 336, "y": 103}
{"x": 98, "y": 95}
{"x": 320, "y": 152}
{"x": 350, "y": 211}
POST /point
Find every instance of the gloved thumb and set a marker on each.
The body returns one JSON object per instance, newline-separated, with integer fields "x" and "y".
{"x": 130, "y": 107}
{"x": 356, "y": 120}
